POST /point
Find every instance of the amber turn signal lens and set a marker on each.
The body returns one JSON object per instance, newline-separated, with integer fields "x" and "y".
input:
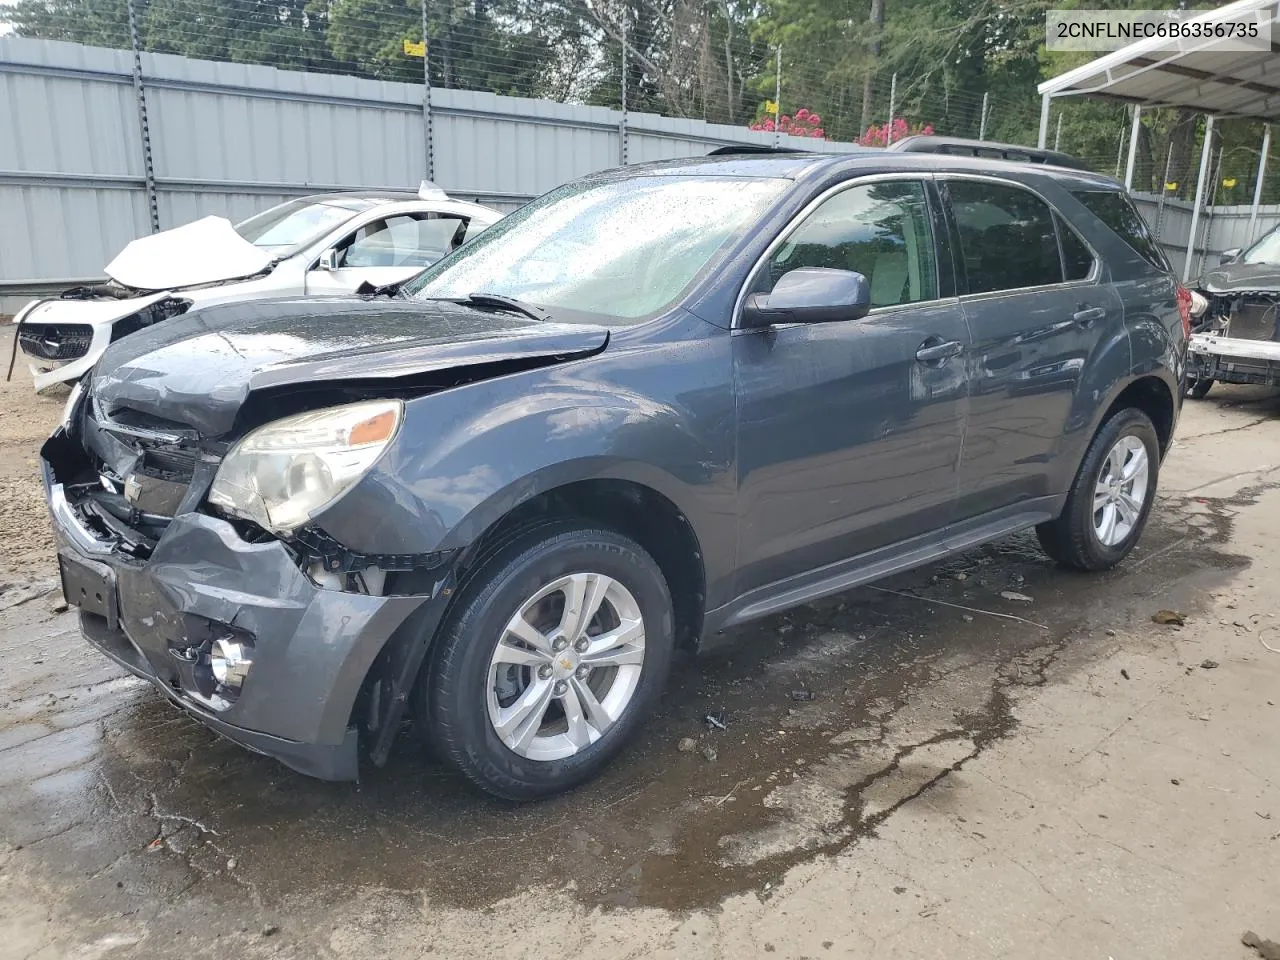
{"x": 374, "y": 430}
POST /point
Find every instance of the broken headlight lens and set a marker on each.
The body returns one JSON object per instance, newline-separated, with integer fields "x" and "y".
{"x": 282, "y": 474}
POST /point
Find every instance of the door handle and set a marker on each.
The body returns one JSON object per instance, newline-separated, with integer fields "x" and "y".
{"x": 935, "y": 350}
{"x": 1086, "y": 316}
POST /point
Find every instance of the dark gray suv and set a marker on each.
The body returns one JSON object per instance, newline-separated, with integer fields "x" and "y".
{"x": 651, "y": 405}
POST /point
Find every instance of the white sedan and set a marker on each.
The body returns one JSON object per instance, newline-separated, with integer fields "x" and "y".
{"x": 321, "y": 245}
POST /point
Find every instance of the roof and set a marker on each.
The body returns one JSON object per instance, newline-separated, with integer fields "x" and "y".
{"x": 960, "y": 147}
{"x": 1199, "y": 75}
{"x": 795, "y": 166}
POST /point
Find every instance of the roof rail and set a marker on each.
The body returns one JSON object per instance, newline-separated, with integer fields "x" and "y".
{"x": 741, "y": 148}
{"x": 960, "y": 147}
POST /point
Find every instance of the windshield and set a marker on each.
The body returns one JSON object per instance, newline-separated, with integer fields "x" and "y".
{"x": 296, "y": 223}
{"x": 1266, "y": 250}
{"x": 624, "y": 249}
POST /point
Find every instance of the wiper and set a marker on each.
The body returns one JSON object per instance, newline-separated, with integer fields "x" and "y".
{"x": 510, "y": 303}
{"x": 367, "y": 289}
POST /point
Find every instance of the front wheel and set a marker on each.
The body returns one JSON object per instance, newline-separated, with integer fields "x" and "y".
{"x": 559, "y": 647}
{"x": 1111, "y": 497}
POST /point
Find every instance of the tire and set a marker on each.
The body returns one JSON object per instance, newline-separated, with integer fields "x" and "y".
{"x": 1197, "y": 389}
{"x": 1075, "y": 539}
{"x": 465, "y": 692}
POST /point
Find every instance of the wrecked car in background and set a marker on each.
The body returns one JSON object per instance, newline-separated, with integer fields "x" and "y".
{"x": 315, "y": 246}
{"x": 1237, "y": 321}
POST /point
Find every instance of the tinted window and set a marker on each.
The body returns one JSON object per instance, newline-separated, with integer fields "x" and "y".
{"x": 880, "y": 230}
{"x": 1077, "y": 258}
{"x": 1118, "y": 212}
{"x": 1007, "y": 237}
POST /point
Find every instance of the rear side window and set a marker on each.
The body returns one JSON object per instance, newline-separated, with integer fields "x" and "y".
{"x": 1077, "y": 258}
{"x": 1007, "y": 236}
{"x": 1118, "y": 212}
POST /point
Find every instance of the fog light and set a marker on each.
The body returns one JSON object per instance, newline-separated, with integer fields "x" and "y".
{"x": 229, "y": 662}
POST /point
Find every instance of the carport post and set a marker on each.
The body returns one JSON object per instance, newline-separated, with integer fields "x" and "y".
{"x": 1257, "y": 187}
{"x": 1133, "y": 147}
{"x": 1044, "y": 121}
{"x": 1205, "y": 153}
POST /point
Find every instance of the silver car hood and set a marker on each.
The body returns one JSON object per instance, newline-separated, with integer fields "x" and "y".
{"x": 204, "y": 251}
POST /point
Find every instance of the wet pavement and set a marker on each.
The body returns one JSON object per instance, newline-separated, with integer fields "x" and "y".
{"x": 812, "y": 730}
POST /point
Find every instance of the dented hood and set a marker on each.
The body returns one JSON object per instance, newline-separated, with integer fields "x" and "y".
{"x": 204, "y": 251}
{"x": 199, "y": 368}
{"x": 1236, "y": 278}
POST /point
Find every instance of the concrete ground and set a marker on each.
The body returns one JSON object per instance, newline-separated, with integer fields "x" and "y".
{"x": 975, "y": 776}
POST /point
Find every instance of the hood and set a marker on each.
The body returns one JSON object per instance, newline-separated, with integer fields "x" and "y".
{"x": 1237, "y": 278}
{"x": 198, "y": 369}
{"x": 205, "y": 251}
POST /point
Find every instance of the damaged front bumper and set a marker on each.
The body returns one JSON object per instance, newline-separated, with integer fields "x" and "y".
{"x": 1233, "y": 359}
{"x": 310, "y": 648}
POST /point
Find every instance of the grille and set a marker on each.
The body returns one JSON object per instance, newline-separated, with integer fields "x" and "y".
{"x": 1255, "y": 319}
{"x": 55, "y": 341}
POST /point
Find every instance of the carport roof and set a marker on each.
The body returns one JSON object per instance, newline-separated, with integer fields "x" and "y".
{"x": 1198, "y": 76}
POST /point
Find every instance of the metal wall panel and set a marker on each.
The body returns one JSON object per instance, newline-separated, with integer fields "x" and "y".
{"x": 233, "y": 139}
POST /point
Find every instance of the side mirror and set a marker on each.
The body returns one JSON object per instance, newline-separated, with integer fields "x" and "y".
{"x": 810, "y": 295}
{"x": 328, "y": 260}
{"x": 1229, "y": 256}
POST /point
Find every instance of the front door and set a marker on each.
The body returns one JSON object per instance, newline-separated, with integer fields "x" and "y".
{"x": 1038, "y": 311}
{"x": 849, "y": 432}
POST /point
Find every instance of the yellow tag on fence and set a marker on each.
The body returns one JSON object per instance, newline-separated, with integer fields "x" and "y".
{"x": 770, "y": 107}
{"x": 415, "y": 48}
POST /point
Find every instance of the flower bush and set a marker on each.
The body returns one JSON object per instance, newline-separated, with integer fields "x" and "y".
{"x": 805, "y": 123}
{"x": 875, "y": 136}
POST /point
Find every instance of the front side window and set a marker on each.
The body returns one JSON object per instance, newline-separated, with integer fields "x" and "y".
{"x": 624, "y": 249}
{"x": 406, "y": 240}
{"x": 1007, "y": 236}
{"x": 1117, "y": 211}
{"x": 881, "y": 230}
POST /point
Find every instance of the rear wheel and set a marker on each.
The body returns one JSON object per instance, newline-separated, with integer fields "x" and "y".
{"x": 560, "y": 646}
{"x": 1111, "y": 497}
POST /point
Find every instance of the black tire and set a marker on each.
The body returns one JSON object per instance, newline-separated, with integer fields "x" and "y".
{"x": 1198, "y": 389}
{"x": 450, "y": 699}
{"x": 1071, "y": 539}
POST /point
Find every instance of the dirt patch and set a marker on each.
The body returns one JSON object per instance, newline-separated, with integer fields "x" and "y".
{"x": 26, "y": 540}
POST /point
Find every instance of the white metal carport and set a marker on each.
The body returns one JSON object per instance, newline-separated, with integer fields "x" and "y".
{"x": 1187, "y": 74}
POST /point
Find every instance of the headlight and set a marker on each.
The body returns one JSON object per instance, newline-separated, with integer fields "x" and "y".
{"x": 282, "y": 474}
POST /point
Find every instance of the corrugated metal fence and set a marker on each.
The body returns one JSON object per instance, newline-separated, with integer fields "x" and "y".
{"x": 233, "y": 139}
{"x": 1220, "y": 228}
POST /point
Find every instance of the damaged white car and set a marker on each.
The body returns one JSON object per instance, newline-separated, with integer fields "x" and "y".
{"x": 1236, "y": 320}
{"x": 314, "y": 246}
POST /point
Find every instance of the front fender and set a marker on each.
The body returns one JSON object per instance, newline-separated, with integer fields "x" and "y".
{"x": 466, "y": 457}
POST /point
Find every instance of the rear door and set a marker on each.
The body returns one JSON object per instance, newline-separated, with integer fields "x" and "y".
{"x": 1037, "y": 308}
{"x": 850, "y": 435}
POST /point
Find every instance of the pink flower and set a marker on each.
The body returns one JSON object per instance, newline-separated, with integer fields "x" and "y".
{"x": 814, "y": 119}
{"x": 820, "y": 133}
{"x": 768, "y": 125}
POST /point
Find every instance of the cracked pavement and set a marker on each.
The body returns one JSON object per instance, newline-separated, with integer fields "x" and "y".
{"x": 961, "y": 784}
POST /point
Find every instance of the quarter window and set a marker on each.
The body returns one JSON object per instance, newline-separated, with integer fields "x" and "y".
{"x": 1117, "y": 211}
{"x": 881, "y": 230}
{"x": 1007, "y": 236}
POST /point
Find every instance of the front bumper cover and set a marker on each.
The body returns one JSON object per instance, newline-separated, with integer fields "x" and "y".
{"x": 312, "y": 647}
{"x": 1233, "y": 359}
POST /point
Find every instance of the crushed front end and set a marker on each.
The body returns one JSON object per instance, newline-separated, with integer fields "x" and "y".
{"x": 1237, "y": 338}
{"x": 284, "y": 645}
